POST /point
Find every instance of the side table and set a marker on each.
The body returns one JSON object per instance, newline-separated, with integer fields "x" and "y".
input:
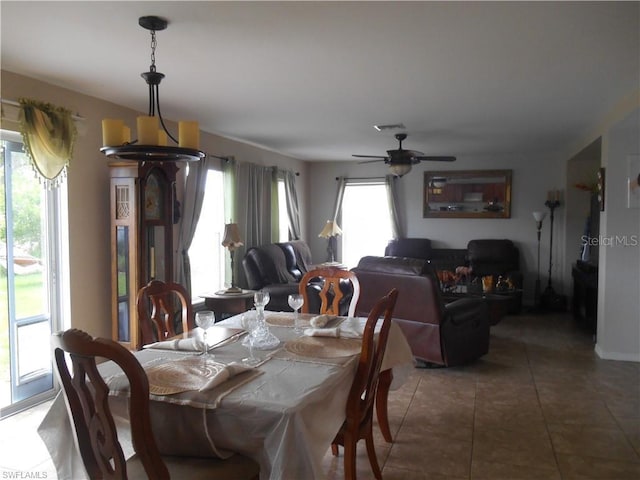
{"x": 498, "y": 303}
{"x": 226, "y": 304}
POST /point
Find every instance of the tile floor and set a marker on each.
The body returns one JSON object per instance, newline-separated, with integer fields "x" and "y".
{"x": 541, "y": 405}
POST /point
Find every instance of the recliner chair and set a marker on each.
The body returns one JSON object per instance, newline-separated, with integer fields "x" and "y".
{"x": 277, "y": 268}
{"x": 442, "y": 334}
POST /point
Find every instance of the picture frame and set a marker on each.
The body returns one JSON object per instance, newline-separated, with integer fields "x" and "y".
{"x": 633, "y": 181}
{"x": 467, "y": 194}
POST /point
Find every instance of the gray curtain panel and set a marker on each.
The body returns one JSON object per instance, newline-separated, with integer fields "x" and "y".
{"x": 293, "y": 210}
{"x": 397, "y": 222}
{"x": 255, "y": 206}
{"x": 191, "y": 207}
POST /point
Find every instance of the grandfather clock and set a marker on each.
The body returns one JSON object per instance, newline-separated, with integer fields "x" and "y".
{"x": 143, "y": 212}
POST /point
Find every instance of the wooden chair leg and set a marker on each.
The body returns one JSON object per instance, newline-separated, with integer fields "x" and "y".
{"x": 384, "y": 383}
{"x": 334, "y": 449}
{"x": 349, "y": 459}
{"x": 373, "y": 459}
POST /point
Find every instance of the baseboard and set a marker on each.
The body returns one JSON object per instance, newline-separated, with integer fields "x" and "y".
{"x": 623, "y": 357}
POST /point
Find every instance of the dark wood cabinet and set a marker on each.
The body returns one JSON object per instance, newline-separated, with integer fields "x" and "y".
{"x": 585, "y": 295}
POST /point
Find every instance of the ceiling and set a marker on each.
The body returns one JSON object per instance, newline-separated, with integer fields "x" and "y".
{"x": 310, "y": 79}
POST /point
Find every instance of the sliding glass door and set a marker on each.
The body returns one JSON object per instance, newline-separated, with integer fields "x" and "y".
{"x": 29, "y": 278}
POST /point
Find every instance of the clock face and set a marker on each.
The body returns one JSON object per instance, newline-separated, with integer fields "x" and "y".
{"x": 152, "y": 199}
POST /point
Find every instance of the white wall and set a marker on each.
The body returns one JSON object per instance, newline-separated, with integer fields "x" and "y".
{"x": 88, "y": 185}
{"x": 533, "y": 175}
{"x": 619, "y": 262}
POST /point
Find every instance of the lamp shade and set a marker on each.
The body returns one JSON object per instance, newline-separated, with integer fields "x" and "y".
{"x": 232, "y": 238}
{"x": 331, "y": 229}
{"x": 539, "y": 216}
{"x": 400, "y": 169}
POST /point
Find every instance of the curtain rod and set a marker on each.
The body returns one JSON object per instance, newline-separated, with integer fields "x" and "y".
{"x": 13, "y": 103}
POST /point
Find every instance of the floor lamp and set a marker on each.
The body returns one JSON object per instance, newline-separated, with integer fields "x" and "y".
{"x": 550, "y": 299}
{"x": 539, "y": 217}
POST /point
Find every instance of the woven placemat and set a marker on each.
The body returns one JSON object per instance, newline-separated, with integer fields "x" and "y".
{"x": 183, "y": 375}
{"x": 288, "y": 320}
{"x": 324, "y": 347}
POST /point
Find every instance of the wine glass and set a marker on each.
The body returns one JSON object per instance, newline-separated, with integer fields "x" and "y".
{"x": 295, "y": 302}
{"x": 250, "y": 322}
{"x": 260, "y": 300}
{"x": 205, "y": 320}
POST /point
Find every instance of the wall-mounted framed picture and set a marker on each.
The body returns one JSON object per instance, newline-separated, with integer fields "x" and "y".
{"x": 633, "y": 181}
{"x": 600, "y": 187}
{"x": 467, "y": 194}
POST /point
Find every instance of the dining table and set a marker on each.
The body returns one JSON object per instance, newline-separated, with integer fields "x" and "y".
{"x": 284, "y": 412}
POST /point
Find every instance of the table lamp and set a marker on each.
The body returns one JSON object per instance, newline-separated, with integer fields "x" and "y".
{"x": 232, "y": 241}
{"x": 330, "y": 231}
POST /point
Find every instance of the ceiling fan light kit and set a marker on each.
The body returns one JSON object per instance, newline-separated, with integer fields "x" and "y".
{"x": 151, "y": 144}
{"x": 401, "y": 160}
{"x": 400, "y": 169}
{"x": 390, "y": 126}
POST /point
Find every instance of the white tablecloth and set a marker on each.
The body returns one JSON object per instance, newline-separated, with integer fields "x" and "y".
{"x": 285, "y": 418}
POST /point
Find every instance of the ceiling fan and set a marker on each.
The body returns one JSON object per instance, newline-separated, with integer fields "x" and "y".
{"x": 401, "y": 160}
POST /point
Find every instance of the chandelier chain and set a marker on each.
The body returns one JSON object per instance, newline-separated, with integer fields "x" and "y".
{"x": 154, "y": 44}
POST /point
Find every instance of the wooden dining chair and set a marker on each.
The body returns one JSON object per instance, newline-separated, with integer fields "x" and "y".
{"x": 86, "y": 395}
{"x": 330, "y": 279}
{"x": 359, "y": 419}
{"x": 159, "y": 304}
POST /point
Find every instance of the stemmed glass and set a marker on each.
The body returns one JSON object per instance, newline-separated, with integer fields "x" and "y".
{"x": 260, "y": 300}
{"x": 295, "y": 302}
{"x": 205, "y": 320}
{"x": 250, "y": 323}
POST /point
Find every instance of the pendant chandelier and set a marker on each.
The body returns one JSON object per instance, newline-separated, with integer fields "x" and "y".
{"x": 153, "y": 135}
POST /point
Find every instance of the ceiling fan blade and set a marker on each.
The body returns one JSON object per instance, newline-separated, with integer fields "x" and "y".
{"x": 429, "y": 158}
{"x": 415, "y": 153}
{"x": 381, "y": 157}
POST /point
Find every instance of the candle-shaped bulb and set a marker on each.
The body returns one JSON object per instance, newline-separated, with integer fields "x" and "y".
{"x": 189, "y": 134}
{"x": 126, "y": 134}
{"x": 147, "y": 130}
{"x": 162, "y": 138}
{"x": 112, "y": 131}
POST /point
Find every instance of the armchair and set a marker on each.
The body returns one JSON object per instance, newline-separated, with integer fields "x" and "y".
{"x": 438, "y": 333}
{"x": 277, "y": 268}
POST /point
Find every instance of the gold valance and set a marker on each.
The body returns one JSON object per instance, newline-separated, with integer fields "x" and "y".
{"x": 49, "y": 134}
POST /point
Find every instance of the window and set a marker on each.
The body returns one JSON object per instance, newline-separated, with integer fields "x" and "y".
{"x": 206, "y": 253}
{"x": 366, "y": 223}
{"x": 33, "y": 267}
{"x": 283, "y": 216}
{"x": 208, "y": 257}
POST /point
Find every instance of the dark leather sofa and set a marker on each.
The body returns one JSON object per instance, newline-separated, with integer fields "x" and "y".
{"x": 497, "y": 257}
{"x": 277, "y": 268}
{"x": 439, "y": 333}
